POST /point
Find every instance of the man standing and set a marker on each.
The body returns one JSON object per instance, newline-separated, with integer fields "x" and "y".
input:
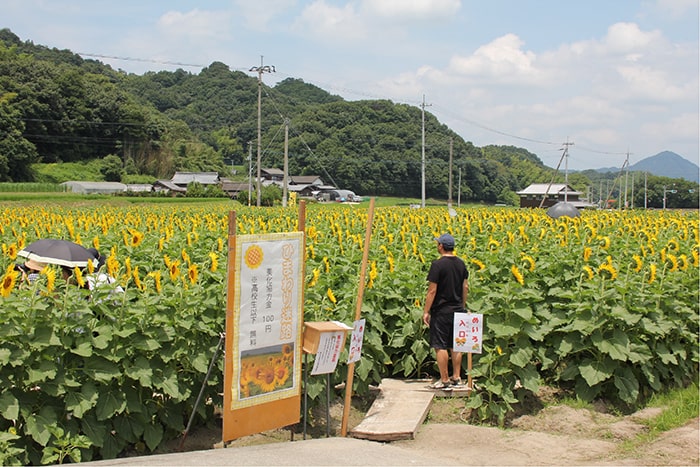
{"x": 447, "y": 293}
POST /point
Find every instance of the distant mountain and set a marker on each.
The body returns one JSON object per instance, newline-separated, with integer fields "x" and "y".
{"x": 664, "y": 164}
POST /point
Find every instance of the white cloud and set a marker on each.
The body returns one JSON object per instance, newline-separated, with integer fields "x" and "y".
{"x": 259, "y": 13}
{"x": 330, "y": 22}
{"x": 411, "y": 9}
{"x": 195, "y": 23}
{"x": 677, "y": 8}
{"x": 501, "y": 60}
{"x": 647, "y": 83}
{"x": 627, "y": 38}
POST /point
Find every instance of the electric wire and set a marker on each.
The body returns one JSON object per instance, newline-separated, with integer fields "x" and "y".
{"x": 443, "y": 110}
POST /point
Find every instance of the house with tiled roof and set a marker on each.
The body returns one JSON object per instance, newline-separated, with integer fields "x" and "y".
{"x": 531, "y": 197}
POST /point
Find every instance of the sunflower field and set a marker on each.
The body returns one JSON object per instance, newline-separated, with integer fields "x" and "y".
{"x": 604, "y": 305}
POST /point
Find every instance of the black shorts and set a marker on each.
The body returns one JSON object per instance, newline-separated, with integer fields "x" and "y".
{"x": 441, "y": 330}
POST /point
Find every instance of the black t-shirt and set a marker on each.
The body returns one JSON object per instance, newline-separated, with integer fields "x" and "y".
{"x": 449, "y": 273}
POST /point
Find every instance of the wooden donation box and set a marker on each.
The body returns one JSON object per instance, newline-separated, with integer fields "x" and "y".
{"x": 318, "y": 333}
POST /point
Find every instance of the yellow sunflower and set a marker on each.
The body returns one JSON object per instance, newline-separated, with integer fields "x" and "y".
{"x": 478, "y": 264}
{"x": 156, "y": 279}
{"x": 214, "y": 262}
{"x": 50, "y": 274}
{"x": 672, "y": 262}
{"x": 8, "y": 281}
{"x": 314, "y": 277}
{"x": 587, "y": 253}
{"x": 174, "y": 270}
{"x": 137, "y": 279}
{"x": 637, "y": 260}
{"x": 282, "y": 373}
{"x": 652, "y": 273}
{"x": 331, "y": 297}
{"x": 517, "y": 274}
{"x": 78, "y": 274}
{"x": 529, "y": 263}
{"x": 589, "y": 272}
{"x": 192, "y": 273}
{"x": 609, "y": 271}
{"x": 265, "y": 378}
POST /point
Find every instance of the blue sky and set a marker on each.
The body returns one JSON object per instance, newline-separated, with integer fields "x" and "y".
{"x": 611, "y": 76}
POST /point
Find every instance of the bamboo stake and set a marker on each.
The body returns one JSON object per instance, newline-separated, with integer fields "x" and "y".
{"x": 358, "y": 311}
{"x": 469, "y": 373}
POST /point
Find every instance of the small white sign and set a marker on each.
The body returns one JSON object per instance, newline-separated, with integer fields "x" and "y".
{"x": 468, "y": 332}
{"x": 329, "y": 348}
{"x": 358, "y": 332}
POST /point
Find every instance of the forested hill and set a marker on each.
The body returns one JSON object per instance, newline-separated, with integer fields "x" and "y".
{"x": 56, "y": 107}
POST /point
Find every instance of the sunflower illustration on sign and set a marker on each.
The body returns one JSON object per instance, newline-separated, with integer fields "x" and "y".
{"x": 266, "y": 370}
{"x": 253, "y": 256}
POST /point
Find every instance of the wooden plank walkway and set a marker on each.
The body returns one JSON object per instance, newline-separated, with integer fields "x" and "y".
{"x": 400, "y": 409}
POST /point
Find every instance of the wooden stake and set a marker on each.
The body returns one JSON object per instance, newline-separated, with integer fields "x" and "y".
{"x": 469, "y": 373}
{"x": 358, "y": 311}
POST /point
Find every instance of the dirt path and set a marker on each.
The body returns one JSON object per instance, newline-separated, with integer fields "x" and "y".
{"x": 561, "y": 436}
{"x": 556, "y": 435}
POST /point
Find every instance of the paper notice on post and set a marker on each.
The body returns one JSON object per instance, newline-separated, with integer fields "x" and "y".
{"x": 329, "y": 348}
{"x": 358, "y": 333}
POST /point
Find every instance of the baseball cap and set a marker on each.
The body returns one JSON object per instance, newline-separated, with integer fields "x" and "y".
{"x": 446, "y": 240}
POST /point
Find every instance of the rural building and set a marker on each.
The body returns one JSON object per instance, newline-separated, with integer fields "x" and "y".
{"x": 531, "y": 197}
{"x": 139, "y": 187}
{"x": 182, "y": 179}
{"x": 276, "y": 175}
{"x": 232, "y": 188}
{"x": 166, "y": 186}
{"x": 90, "y": 188}
{"x": 305, "y": 180}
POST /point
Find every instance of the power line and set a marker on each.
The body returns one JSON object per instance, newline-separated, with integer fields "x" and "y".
{"x": 355, "y": 92}
{"x": 144, "y": 60}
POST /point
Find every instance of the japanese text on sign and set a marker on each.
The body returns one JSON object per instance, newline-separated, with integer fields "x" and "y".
{"x": 329, "y": 348}
{"x": 468, "y": 332}
{"x": 358, "y": 332}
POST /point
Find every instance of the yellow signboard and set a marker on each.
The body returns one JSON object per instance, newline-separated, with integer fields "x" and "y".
{"x": 262, "y": 378}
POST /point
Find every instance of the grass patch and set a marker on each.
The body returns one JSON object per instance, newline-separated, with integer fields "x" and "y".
{"x": 679, "y": 406}
{"x": 575, "y": 403}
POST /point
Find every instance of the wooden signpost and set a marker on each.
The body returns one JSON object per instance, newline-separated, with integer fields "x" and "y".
{"x": 264, "y": 318}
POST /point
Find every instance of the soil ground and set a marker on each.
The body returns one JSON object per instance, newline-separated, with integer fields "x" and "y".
{"x": 554, "y": 435}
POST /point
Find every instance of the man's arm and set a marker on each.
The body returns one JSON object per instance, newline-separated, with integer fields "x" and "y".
{"x": 465, "y": 292}
{"x": 429, "y": 298}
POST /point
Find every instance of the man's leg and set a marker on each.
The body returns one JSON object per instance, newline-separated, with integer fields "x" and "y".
{"x": 456, "y": 365}
{"x": 443, "y": 358}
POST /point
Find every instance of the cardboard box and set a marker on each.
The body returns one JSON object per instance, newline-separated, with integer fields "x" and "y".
{"x": 314, "y": 329}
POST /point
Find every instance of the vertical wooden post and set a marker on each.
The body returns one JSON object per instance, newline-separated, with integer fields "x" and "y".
{"x": 469, "y": 373}
{"x": 358, "y": 312}
{"x": 230, "y": 300}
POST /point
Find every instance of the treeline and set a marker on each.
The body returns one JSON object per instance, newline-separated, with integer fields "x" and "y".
{"x": 56, "y": 107}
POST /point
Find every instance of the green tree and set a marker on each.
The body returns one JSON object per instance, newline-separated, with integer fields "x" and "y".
{"x": 16, "y": 153}
{"x": 112, "y": 169}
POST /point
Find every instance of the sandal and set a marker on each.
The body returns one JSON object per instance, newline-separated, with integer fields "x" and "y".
{"x": 440, "y": 385}
{"x": 456, "y": 382}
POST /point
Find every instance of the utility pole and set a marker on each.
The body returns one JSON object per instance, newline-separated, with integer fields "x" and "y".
{"x": 459, "y": 189}
{"x": 632, "y": 194}
{"x": 422, "y": 198}
{"x": 449, "y": 189}
{"x": 260, "y": 70}
{"x": 627, "y": 172}
{"x": 250, "y": 171}
{"x": 645, "y": 190}
{"x": 566, "y": 169}
{"x": 286, "y": 163}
